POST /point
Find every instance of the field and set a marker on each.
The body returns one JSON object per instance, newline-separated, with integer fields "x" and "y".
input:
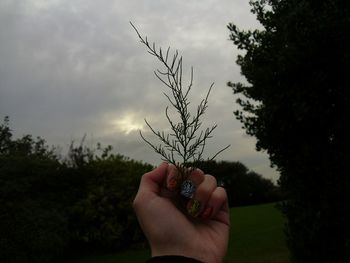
{"x": 256, "y": 236}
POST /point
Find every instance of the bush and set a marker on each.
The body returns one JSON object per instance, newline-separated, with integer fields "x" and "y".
{"x": 103, "y": 219}
{"x": 32, "y": 228}
{"x": 52, "y": 207}
{"x": 31, "y": 233}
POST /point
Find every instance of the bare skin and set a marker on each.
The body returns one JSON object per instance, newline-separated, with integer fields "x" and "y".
{"x": 201, "y": 233}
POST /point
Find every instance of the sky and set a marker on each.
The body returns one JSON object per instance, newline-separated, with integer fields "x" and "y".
{"x": 70, "y": 68}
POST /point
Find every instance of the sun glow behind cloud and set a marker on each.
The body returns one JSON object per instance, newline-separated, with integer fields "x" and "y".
{"x": 128, "y": 123}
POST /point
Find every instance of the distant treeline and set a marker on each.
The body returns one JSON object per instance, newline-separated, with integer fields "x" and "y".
{"x": 244, "y": 187}
{"x": 53, "y": 207}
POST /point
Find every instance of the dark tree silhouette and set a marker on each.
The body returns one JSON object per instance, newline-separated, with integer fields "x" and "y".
{"x": 51, "y": 207}
{"x": 244, "y": 187}
{"x": 297, "y": 104}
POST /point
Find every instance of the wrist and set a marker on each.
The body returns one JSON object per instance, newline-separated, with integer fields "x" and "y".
{"x": 172, "y": 259}
{"x": 193, "y": 253}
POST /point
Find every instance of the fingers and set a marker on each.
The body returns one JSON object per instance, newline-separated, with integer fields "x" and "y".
{"x": 209, "y": 201}
{"x": 204, "y": 190}
{"x": 217, "y": 206}
{"x": 217, "y": 200}
{"x": 152, "y": 181}
{"x": 174, "y": 180}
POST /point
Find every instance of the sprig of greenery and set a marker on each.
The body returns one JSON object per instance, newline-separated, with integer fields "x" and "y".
{"x": 186, "y": 140}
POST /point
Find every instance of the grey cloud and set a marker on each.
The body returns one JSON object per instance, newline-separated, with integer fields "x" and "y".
{"x": 73, "y": 67}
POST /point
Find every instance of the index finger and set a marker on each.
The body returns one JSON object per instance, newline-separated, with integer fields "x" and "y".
{"x": 153, "y": 180}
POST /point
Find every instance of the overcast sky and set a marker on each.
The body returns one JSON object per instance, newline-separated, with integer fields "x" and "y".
{"x": 75, "y": 67}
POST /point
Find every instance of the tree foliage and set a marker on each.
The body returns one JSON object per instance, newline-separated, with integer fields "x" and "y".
{"x": 243, "y": 187}
{"x": 296, "y": 102}
{"x": 52, "y": 207}
{"x": 32, "y": 227}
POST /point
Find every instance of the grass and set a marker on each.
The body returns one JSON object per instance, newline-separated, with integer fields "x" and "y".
{"x": 256, "y": 236}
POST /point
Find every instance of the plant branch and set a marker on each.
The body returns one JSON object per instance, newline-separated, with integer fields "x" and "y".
{"x": 186, "y": 140}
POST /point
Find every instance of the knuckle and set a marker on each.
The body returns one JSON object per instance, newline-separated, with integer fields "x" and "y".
{"x": 211, "y": 179}
{"x": 136, "y": 202}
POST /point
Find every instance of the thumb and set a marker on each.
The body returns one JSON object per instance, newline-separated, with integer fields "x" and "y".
{"x": 152, "y": 181}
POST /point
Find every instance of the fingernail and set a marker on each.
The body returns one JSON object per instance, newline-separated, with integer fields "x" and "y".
{"x": 187, "y": 189}
{"x": 172, "y": 184}
{"x": 207, "y": 213}
{"x": 173, "y": 179}
{"x": 193, "y": 207}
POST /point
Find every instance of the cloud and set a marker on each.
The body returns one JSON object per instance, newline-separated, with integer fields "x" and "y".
{"x": 70, "y": 68}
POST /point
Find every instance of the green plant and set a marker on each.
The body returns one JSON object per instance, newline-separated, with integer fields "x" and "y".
{"x": 186, "y": 140}
{"x": 296, "y": 103}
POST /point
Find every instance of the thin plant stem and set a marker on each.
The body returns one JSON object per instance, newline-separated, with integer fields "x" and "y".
{"x": 185, "y": 144}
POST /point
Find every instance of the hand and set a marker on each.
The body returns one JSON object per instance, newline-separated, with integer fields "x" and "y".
{"x": 202, "y": 233}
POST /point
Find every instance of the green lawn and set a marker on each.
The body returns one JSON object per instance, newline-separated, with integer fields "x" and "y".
{"x": 256, "y": 236}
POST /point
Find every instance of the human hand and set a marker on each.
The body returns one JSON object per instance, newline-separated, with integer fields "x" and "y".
{"x": 201, "y": 233}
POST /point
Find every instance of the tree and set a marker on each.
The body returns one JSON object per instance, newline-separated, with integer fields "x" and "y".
{"x": 51, "y": 207}
{"x": 243, "y": 187}
{"x": 33, "y": 227}
{"x": 103, "y": 218}
{"x": 296, "y": 102}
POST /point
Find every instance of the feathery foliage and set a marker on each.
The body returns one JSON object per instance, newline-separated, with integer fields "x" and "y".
{"x": 186, "y": 142}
